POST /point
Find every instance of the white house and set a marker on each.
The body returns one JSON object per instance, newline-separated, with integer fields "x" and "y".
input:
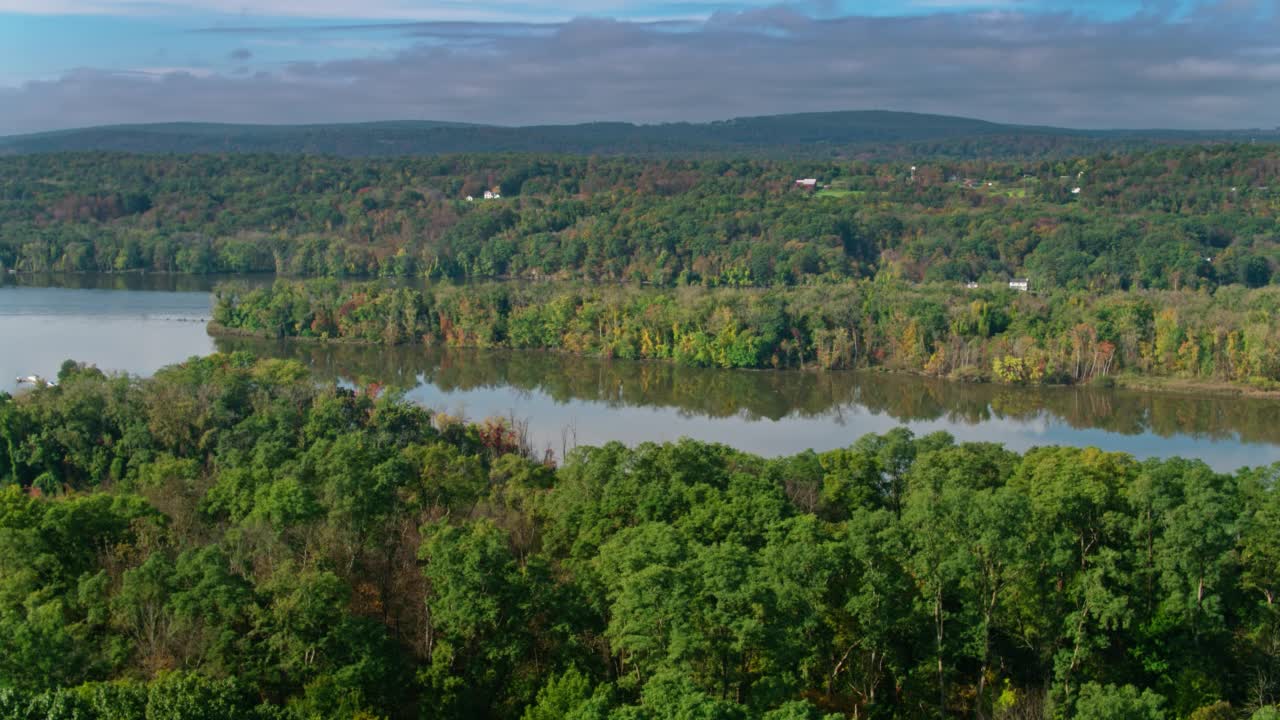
{"x": 807, "y": 183}
{"x": 1020, "y": 284}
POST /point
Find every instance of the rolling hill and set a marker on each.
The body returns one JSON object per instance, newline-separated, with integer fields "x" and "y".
{"x": 874, "y": 133}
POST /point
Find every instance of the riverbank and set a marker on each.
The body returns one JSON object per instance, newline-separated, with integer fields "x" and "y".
{"x": 1159, "y": 385}
{"x": 1180, "y": 341}
{"x": 1191, "y": 386}
{"x": 134, "y": 280}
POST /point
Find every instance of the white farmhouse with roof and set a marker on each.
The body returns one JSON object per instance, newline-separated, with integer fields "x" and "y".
{"x": 1020, "y": 284}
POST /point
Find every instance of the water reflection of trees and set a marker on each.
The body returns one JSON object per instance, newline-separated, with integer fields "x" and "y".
{"x": 170, "y": 282}
{"x": 779, "y": 394}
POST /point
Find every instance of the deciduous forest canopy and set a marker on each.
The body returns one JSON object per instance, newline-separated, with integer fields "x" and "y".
{"x": 981, "y": 333}
{"x": 235, "y": 538}
{"x": 1181, "y": 217}
{"x": 230, "y": 539}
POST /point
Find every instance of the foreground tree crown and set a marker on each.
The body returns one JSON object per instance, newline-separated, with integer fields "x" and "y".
{"x": 231, "y": 539}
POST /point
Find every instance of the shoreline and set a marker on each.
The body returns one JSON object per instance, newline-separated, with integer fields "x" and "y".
{"x": 1191, "y": 386}
{"x": 1125, "y": 382}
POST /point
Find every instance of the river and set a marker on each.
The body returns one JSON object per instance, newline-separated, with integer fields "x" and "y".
{"x": 140, "y": 324}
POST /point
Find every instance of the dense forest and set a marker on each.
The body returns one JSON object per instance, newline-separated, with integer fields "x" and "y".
{"x": 230, "y": 539}
{"x": 982, "y": 333}
{"x": 1172, "y": 218}
{"x": 244, "y": 538}
{"x": 879, "y": 134}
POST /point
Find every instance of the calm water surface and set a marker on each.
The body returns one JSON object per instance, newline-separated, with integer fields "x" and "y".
{"x": 141, "y": 324}
{"x": 138, "y": 332}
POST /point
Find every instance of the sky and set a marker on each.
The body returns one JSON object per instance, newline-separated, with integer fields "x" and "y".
{"x": 1194, "y": 64}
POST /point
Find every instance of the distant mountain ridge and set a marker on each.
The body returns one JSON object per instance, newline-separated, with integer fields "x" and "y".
{"x": 853, "y": 133}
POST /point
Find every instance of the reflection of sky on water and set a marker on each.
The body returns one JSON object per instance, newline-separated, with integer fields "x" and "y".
{"x": 59, "y": 302}
{"x": 140, "y": 332}
{"x": 594, "y": 423}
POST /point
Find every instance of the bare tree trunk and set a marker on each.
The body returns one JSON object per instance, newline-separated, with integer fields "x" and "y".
{"x": 938, "y": 634}
{"x": 986, "y": 654}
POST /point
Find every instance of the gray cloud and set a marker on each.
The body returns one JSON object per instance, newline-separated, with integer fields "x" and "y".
{"x": 1217, "y": 68}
